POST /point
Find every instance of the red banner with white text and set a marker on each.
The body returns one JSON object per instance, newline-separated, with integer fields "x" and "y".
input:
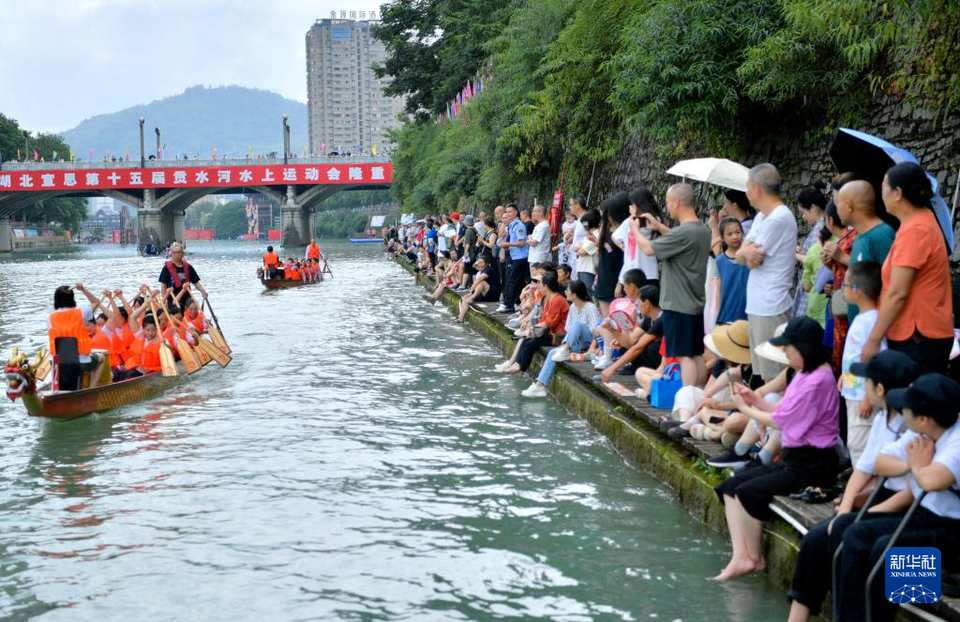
{"x": 196, "y": 177}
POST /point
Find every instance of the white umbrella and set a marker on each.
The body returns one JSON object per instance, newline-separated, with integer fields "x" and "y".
{"x": 716, "y": 171}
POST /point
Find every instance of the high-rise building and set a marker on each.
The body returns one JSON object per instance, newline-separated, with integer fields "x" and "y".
{"x": 346, "y": 107}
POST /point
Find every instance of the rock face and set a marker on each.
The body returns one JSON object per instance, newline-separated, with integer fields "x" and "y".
{"x": 803, "y": 159}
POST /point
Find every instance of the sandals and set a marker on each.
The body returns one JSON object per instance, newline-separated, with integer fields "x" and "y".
{"x": 815, "y": 494}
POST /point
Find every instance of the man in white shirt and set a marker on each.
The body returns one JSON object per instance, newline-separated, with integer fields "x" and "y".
{"x": 578, "y": 207}
{"x": 769, "y": 251}
{"x": 445, "y": 233}
{"x": 539, "y": 240}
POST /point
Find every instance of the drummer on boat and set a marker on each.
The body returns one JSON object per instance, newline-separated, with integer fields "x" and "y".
{"x": 313, "y": 251}
{"x": 176, "y": 272}
{"x": 271, "y": 263}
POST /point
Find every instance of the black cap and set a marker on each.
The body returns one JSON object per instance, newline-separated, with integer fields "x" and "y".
{"x": 800, "y": 330}
{"x": 892, "y": 369}
{"x": 930, "y": 395}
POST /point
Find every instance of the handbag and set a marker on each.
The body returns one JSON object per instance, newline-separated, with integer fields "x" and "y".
{"x": 539, "y": 330}
{"x": 663, "y": 390}
{"x": 838, "y": 303}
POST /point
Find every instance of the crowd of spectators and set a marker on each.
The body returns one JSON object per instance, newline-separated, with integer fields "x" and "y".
{"x": 820, "y": 360}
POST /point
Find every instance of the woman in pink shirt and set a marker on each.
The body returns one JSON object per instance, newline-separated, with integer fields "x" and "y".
{"x": 808, "y": 420}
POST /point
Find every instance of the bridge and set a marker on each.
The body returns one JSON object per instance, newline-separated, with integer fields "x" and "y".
{"x": 161, "y": 190}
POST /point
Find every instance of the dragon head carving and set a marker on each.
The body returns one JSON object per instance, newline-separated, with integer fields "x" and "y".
{"x": 23, "y": 374}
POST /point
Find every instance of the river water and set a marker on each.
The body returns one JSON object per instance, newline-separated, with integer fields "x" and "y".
{"x": 358, "y": 460}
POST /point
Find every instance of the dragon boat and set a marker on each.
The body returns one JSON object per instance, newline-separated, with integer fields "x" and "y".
{"x": 24, "y": 378}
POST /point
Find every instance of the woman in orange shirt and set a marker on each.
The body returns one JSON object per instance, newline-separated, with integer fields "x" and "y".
{"x": 549, "y": 331}
{"x": 916, "y": 313}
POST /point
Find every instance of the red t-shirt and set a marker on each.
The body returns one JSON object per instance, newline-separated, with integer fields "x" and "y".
{"x": 555, "y": 313}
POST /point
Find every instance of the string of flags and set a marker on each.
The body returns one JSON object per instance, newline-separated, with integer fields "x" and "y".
{"x": 470, "y": 90}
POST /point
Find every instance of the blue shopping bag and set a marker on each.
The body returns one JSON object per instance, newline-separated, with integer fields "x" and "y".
{"x": 664, "y": 389}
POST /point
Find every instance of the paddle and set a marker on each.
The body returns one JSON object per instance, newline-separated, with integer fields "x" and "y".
{"x": 215, "y": 333}
{"x": 326, "y": 269}
{"x": 205, "y": 346}
{"x": 188, "y": 356}
{"x": 168, "y": 366}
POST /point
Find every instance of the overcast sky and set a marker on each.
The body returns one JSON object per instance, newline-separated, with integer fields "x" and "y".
{"x": 62, "y": 61}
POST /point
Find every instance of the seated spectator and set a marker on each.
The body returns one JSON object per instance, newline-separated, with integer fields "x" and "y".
{"x": 446, "y": 273}
{"x": 646, "y": 375}
{"x": 563, "y": 274}
{"x": 930, "y": 454}
{"x": 700, "y": 411}
{"x": 862, "y": 288}
{"x": 582, "y": 319}
{"x": 808, "y": 421}
{"x": 885, "y": 372}
{"x": 634, "y": 280}
{"x": 486, "y": 285}
{"x": 643, "y": 343}
{"x": 550, "y": 330}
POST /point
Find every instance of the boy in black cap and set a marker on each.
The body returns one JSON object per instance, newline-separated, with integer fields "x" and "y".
{"x": 885, "y": 372}
{"x": 930, "y": 454}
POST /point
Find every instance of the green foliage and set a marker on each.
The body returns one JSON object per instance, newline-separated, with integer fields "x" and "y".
{"x": 228, "y": 221}
{"x": 341, "y": 223}
{"x": 353, "y": 199}
{"x": 572, "y": 81}
{"x": 197, "y": 214}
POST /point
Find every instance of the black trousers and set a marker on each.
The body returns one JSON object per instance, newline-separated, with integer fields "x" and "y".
{"x": 863, "y": 544}
{"x": 529, "y": 347}
{"x": 798, "y": 468}
{"x": 813, "y": 574}
{"x": 930, "y": 355}
{"x": 516, "y": 279}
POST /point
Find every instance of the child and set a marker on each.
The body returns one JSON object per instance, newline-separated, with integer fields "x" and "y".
{"x": 862, "y": 288}
{"x": 644, "y": 342}
{"x": 885, "y": 372}
{"x": 930, "y": 454}
{"x": 633, "y": 280}
{"x": 733, "y": 277}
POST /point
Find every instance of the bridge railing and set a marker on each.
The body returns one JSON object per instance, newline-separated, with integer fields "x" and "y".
{"x": 14, "y": 165}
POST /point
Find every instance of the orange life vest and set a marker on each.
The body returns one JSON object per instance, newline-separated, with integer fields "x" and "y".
{"x": 271, "y": 259}
{"x": 69, "y": 323}
{"x": 118, "y": 348}
{"x": 199, "y": 322}
{"x": 128, "y": 336}
{"x": 313, "y": 252}
{"x": 101, "y": 341}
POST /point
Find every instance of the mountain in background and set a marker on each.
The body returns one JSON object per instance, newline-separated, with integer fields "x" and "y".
{"x": 231, "y": 119}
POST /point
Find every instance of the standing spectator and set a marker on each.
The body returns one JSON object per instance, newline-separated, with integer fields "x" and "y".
{"x": 838, "y": 307}
{"x": 527, "y": 220}
{"x": 586, "y": 251}
{"x": 613, "y": 211}
{"x": 539, "y": 240}
{"x": 736, "y": 205}
{"x": 769, "y": 252}
{"x": 431, "y": 242}
{"x": 733, "y": 276}
{"x": 445, "y": 234}
{"x": 518, "y": 250}
{"x": 578, "y": 207}
{"x": 490, "y": 243}
{"x": 916, "y": 313}
{"x": 857, "y": 207}
{"x": 812, "y": 203}
{"x": 642, "y": 202}
{"x": 683, "y": 253}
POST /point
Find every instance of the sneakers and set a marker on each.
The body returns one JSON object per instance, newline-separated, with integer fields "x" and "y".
{"x": 534, "y": 390}
{"x": 728, "y": 460}
{"x": 601, "y": 363}
{"x": 563, "y": 354}
{"x": 502, "y": 366}
{"x": 519, "y": 333}
{"x": 504, "y": 309}
{"x": 514, "y": 323}
{"x": 752, "y": 462}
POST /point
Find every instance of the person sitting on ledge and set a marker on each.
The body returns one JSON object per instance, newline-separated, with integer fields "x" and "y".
{"x": 549, "y": 330}
{"x": 808, "y": 419}
{"x": 486, "y": 285}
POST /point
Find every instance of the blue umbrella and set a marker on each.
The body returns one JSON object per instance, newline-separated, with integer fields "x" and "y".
{"x": 856, "y": 151}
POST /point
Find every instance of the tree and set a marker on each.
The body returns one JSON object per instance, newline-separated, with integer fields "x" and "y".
{"x": 229, "y": 220}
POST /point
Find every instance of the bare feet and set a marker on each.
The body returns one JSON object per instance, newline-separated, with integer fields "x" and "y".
{"x": 741, "y": 567}
{"x": 513, "y": 369}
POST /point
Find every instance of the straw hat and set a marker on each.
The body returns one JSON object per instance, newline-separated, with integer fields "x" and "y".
{"x": 731, "y": 342}
{"x": 771, "y": 352}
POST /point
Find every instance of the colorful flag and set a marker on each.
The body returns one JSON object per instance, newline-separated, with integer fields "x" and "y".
{"x": 36, "y": 156}
{"x": 91, "y": 155}
{"x": 71, "y": 155}
{"x": 126, "y": 155}
{"x": 18, "y": 155}
{"x": 373, "y": 150}
{"x": 323, "y": 148}
{"x": 54, "y": 158}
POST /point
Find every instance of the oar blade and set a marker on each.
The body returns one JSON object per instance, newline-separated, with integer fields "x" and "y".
{"x": 188, "y": 357}
{"x": 217, "y": 337}
{"x": 168, "y": 366}
{"x": 218, "y": 355}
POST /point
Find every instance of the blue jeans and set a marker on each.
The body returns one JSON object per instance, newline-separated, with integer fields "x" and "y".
{"x": 578, "y": 338}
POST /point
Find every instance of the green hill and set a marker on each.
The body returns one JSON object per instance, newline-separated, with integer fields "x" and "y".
{"x": 229, "y": 118}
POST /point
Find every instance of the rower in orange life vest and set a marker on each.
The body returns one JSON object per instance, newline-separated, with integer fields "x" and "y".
{"x": 176, "y": 271}
{"x": 192, "y": 316}
{"x": 313, "y": 251}
{"x": 145, "y": 352}
{"x": 68, "y": 320}
{"x": 271, "y": 263}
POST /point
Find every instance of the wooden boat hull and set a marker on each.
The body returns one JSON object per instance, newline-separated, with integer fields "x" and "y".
{"x": 282, "y": 283}
{"x": 72, "y": 404}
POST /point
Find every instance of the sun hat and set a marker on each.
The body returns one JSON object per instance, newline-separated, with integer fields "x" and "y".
{"x": 732, "y": 342}
{"x": 771, "y": 352}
